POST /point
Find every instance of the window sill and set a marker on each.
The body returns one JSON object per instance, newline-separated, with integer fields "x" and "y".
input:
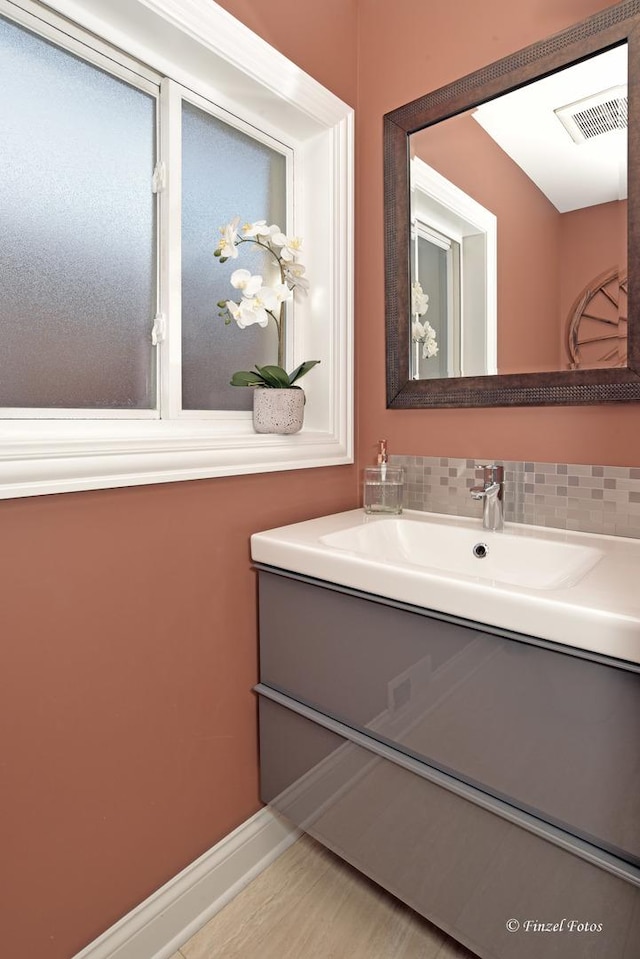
{"x": 83, "y": 456}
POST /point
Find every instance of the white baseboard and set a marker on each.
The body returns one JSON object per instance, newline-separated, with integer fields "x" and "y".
{"x": 162, "y": 923}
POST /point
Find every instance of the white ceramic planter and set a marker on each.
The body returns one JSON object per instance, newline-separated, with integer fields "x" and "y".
{"x": 278, "y": 411}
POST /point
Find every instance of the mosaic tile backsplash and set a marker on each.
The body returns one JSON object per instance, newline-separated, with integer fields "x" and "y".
{"x": 595, "y": 499}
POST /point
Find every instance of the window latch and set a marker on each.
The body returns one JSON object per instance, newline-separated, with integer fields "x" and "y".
{"x": 159, "y": 178}
{"x": 159, "y": 329}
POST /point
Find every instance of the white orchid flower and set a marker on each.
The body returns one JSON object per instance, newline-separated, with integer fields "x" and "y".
{"x": 430, "y": 346}
{"x": 247, "y": 313}
{"x": 247, "y": 282}
{"x": 266, "y": 298}
{"x": 424, "y": 333}
{"x": 419, "y": 299}
{"x": 291, "y": 246}
{"x": 283, "y": 292}
{"x": 259, "y": 228}
{"x": 429, "y": 349}
{"x": 418, "y": 332}
{"x": 234, "y": 310}
{"x": 227, "y": 248}
{"x": 253, "y": 229}
{"x": 294, "y": 275}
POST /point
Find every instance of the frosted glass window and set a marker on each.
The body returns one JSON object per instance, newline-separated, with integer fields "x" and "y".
{"x": 225, "y": 173}
{"x": 77, "y": 231}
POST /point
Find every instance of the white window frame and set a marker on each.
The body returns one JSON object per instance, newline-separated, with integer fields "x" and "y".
{"x": 212, "y": 55}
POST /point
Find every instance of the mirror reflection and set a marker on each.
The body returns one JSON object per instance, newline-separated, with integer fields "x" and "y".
{"x": 519, "y": 229}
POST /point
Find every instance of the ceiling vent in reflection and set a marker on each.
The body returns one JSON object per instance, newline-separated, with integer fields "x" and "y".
{"x": 595, "y": 115}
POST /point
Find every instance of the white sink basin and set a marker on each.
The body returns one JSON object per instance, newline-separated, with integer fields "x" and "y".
{"x": 498, "y": 557}
{"x": 576, "y": 589}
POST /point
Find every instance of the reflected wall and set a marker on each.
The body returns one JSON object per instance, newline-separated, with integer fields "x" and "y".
{"x": 545, "y": 257}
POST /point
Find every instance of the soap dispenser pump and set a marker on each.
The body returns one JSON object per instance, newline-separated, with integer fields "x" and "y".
{"x": 382, "y": 458}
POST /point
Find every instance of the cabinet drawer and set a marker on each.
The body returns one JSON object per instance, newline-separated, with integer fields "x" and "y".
{"x": 550, "y": 732}
{"x": 459, "y": 865}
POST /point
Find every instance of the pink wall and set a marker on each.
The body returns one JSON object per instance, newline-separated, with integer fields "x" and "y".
{"x": 129, "y": 650}
{"x": 592, "y": 240}
{"x": 318, "y": 35}
{"x": 128, "y": 624}
{"x": 406, "y": 50}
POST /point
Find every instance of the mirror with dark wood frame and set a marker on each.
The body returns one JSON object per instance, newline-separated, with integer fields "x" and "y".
{"x": 460, "y": 331}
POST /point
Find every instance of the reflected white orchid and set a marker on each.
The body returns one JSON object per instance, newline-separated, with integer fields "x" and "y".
{"x": 419, "y": 299}
{"x": 422, "y": 332}
{"x": 417, "y": 331}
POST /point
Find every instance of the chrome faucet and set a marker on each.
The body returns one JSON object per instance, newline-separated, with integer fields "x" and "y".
{"x": 492, "y": 495}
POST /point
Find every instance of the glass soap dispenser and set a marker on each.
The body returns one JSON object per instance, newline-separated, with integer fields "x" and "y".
{"x": 383, "y": 484}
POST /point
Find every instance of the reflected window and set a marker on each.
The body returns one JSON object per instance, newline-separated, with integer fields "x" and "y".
{"x": 454, "y": 279}
{"x": 550, "y": 161}
{"x": 436, "y": 319}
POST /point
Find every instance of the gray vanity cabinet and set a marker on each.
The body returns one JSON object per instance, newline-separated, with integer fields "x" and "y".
{"x": 479, "y": 775}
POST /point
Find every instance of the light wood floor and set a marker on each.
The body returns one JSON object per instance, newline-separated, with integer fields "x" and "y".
{"x": 310, "y": 905}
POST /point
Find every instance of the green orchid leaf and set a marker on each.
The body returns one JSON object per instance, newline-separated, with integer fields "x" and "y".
{"x": 301, "y": 370}
{"x": 274, "y": 376}
{"x": 246, "y": 378}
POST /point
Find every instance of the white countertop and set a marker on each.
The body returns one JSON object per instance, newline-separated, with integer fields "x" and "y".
{"x": 600, "y": 613}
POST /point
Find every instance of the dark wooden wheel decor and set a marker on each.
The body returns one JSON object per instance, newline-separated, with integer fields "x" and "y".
{"x": 597, "y": 330}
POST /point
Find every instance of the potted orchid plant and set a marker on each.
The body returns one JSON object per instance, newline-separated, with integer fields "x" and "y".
{"x": 260, "y": 302}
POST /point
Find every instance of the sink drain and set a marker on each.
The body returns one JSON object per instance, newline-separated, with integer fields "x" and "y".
{"x": 480, "y": 550}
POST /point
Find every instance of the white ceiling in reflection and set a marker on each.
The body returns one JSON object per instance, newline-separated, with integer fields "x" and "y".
{"x": 523, "y": 123}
